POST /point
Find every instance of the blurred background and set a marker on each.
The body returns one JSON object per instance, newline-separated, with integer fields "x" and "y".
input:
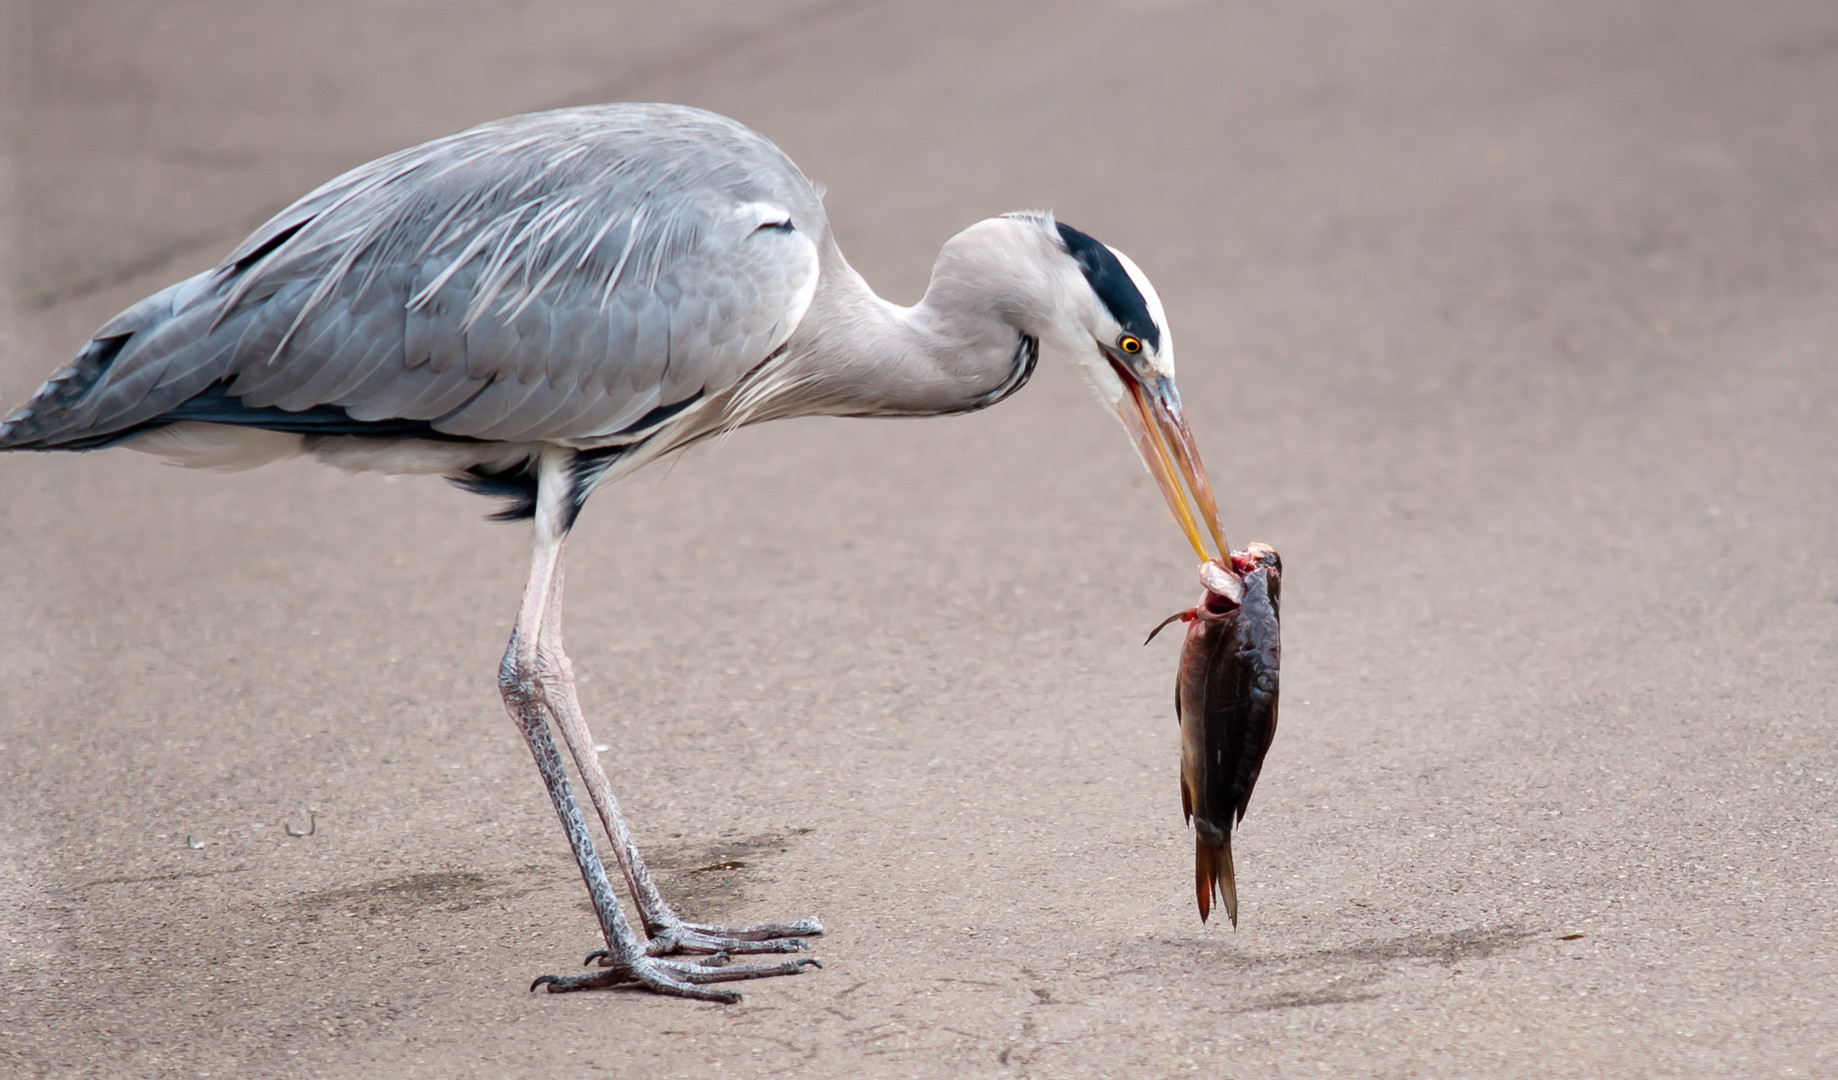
{"x": 1510, "y": 325}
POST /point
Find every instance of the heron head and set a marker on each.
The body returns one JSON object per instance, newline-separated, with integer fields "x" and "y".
{"x": 1125, "y": 348}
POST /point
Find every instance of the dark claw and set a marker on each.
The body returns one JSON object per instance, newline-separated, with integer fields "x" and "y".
{"x": 597, "y": 954}
{"x": 540, "y": 979}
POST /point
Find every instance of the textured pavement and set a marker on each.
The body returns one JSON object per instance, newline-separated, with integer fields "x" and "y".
{"x": 1513, "y": 326}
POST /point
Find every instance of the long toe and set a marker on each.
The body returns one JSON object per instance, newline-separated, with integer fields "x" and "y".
{"x": 683, "y": 939}
{"x": 708, "y": 973}
{"x": 673, "y": 977}
{"x": 801, "y": 928}
{"x": 646, "y": 977}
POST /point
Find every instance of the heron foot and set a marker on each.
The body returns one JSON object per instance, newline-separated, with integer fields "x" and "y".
{"x": 676, "y": 978}
{"x": 688, "y": 937}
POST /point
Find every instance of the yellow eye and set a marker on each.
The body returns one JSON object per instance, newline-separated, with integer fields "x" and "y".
{"x": 1129, "y": 344}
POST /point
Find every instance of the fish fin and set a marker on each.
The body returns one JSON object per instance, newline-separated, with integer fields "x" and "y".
{"x": 1213, "y": 874}
{"x": 1227, "y": 878}
{"x": 1203, "y": 877}
{"x": 1184, "y": 616}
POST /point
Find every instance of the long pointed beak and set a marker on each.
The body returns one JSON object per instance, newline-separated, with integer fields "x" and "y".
{"x": 1152, "y": 413}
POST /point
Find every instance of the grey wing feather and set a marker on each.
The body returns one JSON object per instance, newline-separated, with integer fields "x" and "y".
{"x": 554, "y": 277}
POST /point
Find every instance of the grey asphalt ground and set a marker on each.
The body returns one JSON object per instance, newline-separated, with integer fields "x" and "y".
{"x": 1511, "y": 325}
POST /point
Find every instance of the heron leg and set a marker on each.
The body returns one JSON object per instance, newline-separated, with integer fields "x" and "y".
{"x": 624, "y": 960}
{"x": 668, "y": 933}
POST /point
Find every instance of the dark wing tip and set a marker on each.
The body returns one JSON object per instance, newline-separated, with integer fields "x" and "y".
{"x": 515, "y": 484}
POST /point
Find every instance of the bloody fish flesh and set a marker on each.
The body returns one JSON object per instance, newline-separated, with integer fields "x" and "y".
{"x": 1225, "y": 698}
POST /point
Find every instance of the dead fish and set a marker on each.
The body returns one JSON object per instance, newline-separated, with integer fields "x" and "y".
{"x": 1225, "y": 698}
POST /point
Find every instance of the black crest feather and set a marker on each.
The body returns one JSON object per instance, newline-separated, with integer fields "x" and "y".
{"x": 1112, "y": 283}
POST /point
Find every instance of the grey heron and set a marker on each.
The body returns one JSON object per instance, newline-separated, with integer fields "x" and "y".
{"x": 543, "y": 304}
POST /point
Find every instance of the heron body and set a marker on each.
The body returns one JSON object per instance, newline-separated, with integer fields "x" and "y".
{"x": 545, "y": 303}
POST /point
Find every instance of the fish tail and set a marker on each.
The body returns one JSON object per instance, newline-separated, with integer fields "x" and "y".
{"x": 1213, "y": 874}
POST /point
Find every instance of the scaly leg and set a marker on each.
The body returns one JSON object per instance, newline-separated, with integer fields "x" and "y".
{"x": 668, "y": 932}
{"x": 624, "y": 960}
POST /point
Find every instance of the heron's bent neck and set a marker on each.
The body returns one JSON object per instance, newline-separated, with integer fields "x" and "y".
{"x": 997, "y": 290}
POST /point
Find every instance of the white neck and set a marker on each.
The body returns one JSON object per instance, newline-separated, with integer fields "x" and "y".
{"x": 995, "y": 284}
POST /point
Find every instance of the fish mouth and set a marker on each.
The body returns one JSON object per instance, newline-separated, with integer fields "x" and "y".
{"x": 1151, "y": 411}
